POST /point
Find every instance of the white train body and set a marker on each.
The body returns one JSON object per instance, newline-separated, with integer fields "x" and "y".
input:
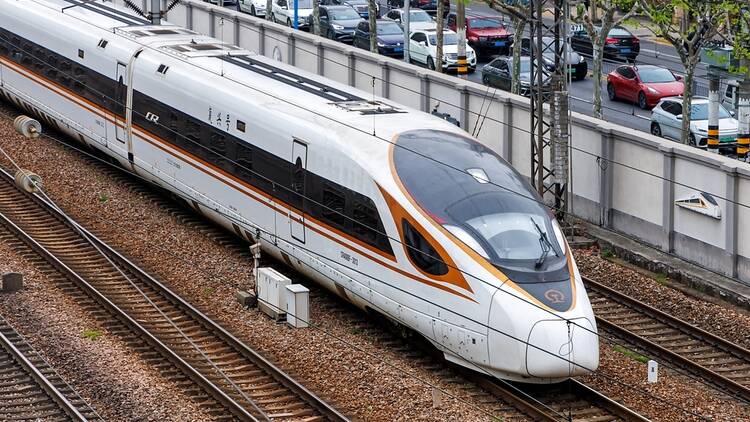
{"x": 267, "y": 149}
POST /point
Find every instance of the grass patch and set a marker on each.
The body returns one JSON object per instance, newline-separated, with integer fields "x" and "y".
{"x": 355, "y": 330}
{"x": 661, "y": 279}
{"x": 103, "y": 197}
{"x": 607, "y": 253}
{"x": 208, "y": 291}
{"x": 92, "y": 335}
{"x": 631, "y": 354}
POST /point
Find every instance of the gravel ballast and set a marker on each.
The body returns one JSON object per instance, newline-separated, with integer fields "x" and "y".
{"x": 359, "y": 376}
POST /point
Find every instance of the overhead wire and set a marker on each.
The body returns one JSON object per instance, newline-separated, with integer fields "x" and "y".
{"x": 333, "y": 335}
{"x": 398, "y": 240}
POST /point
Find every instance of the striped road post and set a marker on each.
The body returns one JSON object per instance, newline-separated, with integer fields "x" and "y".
{"x": 743, "y": 116}
{"x": 713, "y": 113}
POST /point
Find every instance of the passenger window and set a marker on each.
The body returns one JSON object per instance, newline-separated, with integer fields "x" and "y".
{"x": 334, "y": 206}
{"x": 244, "y": 161}
{"x": 365, "y": 221}
{"x": 421, "y": 253}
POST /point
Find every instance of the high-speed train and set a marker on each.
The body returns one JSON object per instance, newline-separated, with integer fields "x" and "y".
{"x": 395, "y": 210}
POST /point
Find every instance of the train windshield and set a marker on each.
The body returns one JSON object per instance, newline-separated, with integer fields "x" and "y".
{"x": 481, "y": 200}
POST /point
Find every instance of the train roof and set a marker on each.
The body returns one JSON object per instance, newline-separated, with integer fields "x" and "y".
{"x": 347, "y": 110}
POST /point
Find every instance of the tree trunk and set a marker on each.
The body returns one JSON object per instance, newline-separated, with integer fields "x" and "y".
{"x": 597, "y": 78}
{"x": 520, "y": 25}
{"x": 687, "y": 99}
{"x": 372, "y": 16}
{"x": 316, "y": 17}
{"x": 439, "y": 34}
{"x": 269, "y": 9}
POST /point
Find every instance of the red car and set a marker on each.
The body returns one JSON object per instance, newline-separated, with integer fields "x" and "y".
{"x": 487, "y": 35}
{"x": 644, "y": 85}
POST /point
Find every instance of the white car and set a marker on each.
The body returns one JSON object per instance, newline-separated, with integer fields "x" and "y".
{"x": 666, "y": 121}
{"x": 253, "y": 7}
{"x": 423, "y": 48}
{"x": 283, "y": 12}
{"x": 418, "y": 19}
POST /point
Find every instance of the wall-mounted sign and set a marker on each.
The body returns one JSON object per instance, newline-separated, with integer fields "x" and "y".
{"x": 702, "y": 203}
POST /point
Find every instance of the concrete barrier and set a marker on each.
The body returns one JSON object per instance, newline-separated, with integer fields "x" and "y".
{"x": 621, "y": 179}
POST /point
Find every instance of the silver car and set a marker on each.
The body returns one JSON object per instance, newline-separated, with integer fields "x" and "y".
{"x": 666, "y": 121}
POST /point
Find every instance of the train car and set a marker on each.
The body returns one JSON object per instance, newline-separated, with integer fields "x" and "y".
{"x": 396, "y": 211}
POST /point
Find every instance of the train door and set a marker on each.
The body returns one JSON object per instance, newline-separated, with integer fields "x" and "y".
{"x": 299, "y": 180}
{"x": 120, "y": 99}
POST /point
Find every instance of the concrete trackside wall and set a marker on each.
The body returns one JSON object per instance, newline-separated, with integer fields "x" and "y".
{"x": 621, "y": 179}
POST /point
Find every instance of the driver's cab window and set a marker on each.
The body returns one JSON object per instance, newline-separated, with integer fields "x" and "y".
{"x": 451, "y": 20}
{"x": 323, "y": 14}
{"x": 281, "y": 3}
{"x": 394, "y": 15}
{"x": 418, "y": 36}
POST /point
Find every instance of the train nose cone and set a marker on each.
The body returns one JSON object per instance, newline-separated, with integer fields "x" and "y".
{"x": 557, "y": 349}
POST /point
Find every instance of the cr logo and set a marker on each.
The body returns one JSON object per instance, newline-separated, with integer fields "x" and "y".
{"x": 554, "y": 296}
{"x": 151, "y": 117}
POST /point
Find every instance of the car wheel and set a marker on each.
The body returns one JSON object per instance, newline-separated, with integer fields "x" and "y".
{"x": 486, "y": 80}
{"x": 611, "y": 92}
{"x": 691, "y": 140}
{"x": 330, "y": 34}
{"x": 656, "y": 129}
{"x": 252, "y": 10}
{"x": 273, "y": 18}
{"x": 289, "y": 22}
{"x": 430, "y": 63}
{"x": 642, "y": 101}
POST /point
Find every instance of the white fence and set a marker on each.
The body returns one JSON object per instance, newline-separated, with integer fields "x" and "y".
{"x": 621, "y": 179}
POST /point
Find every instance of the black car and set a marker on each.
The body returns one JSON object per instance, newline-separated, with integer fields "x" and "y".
{"x": 577, "y": 65}
{"x": 338, "y": 22}
{"x": 361, "y": 6}
{"x": 620, "y": 43}
{"x": 390, "y": 37}
{"x": 498, "y": 74}
{"x": 429, "y": 6}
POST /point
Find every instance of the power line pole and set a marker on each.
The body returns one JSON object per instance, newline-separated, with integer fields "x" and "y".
{"x": 550, "y": 133}
{"x": 406, "y": 20}
{"x": 156, "y": 12}
{"x": 463, "y": 67}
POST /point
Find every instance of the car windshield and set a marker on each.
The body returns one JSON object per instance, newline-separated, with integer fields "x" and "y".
{"x": 388, "y": 28}
{"x": 700, "y": 112}
{"x": 479, "y": 198}
{"x": 525, "y": 65}
{"x": 484, "y": 23}
{"x": 344, "y": 14}
{"x": 619, "y": 32}
{"x": 655, "y": 75}
{"x": 356, "y": 2}
{"x": 419, "y": 16}
{"x": 449, "y": 38}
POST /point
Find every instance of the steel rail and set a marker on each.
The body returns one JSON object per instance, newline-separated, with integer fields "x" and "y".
{"x": 42, "y": 381}
{"x": 689, "y": 330}
{"x": 215, "y": 391}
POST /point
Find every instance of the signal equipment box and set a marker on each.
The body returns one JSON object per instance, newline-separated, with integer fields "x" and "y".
{"x": 297, "y": 306}
{"x": 272, "y": 292}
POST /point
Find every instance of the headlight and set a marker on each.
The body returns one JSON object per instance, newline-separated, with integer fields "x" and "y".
{"x": 524, "y": 83}
{"x": 337, "y": 27}
{"x": 302, "y": 20}
{"x": 701, "y": 130}
{"x": 653, "y": 91}
{"x": 581, "y": 59}
{"x": 380, "y": 44}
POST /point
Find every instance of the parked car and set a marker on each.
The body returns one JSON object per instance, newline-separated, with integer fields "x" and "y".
{"x": 666, "y": 121}
{"x": 361, "y": 6}
{"x": 283, "y": 12}
{"x": 338, "y": 23}
{"x": 227, "y": 3}
{"x": 429, "y": 6}
{"x": 643, "y": 85}
{"x": 253, "y": 7}
{"x": 577, "y": 65}
{"x": 498, "y": 73}
{"x": 423, "y": 48}
{"x": 487, "y": 35}
{"x": 418, "y": 19}
{"x": 620, "y": 43}
{"x": 390, "y": 37}
{"x": 731, "y": 96}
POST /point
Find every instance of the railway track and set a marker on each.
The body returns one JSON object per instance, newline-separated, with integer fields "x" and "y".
{"x": 660, "y": 335}
{"x": 30, "y": 389}
{"x": 234, "y": 381}
{"x": 579, "y": 402}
